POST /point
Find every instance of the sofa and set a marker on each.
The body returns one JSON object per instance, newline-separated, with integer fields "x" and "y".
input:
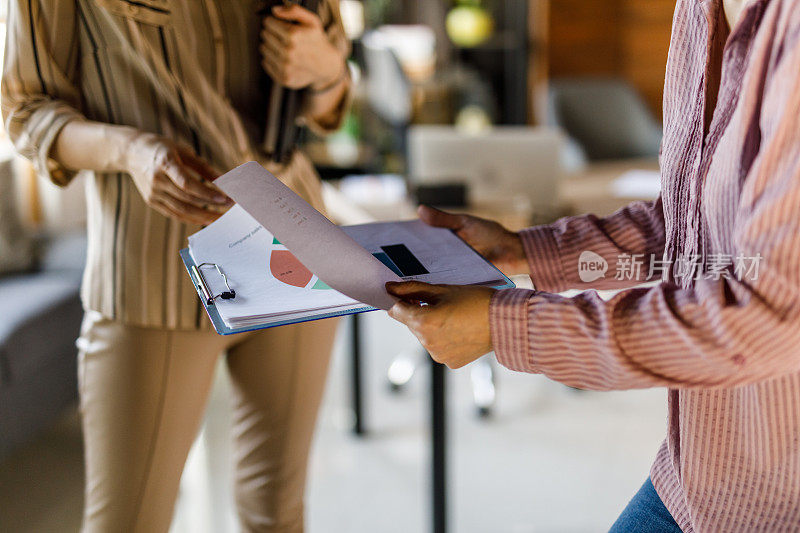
{"x": 40, "y": 317}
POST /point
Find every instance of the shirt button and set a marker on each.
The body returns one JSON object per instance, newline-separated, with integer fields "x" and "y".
{"x": 132, "y": 9}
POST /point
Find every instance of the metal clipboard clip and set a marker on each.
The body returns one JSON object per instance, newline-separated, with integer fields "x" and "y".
{"x": 203, "y": 286}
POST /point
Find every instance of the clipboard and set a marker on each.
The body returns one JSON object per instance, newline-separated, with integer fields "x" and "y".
{"x": 198, "y": 277}
{"x": 197, "y": 273}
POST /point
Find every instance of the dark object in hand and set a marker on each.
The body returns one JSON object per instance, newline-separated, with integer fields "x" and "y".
{"x": 442, "y": 195}
{"x": 280, "y": 135}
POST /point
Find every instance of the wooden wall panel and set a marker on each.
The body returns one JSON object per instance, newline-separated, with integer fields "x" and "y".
{"x": 645, "y": 34}
{"x": 580, "y": 40}
{"x": 624, "y": 38}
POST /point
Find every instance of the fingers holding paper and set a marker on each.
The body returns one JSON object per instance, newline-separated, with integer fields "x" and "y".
{"x": 174, "y": 181}
{"x": 498, "y": 245}
{"x": 450, "y": 321}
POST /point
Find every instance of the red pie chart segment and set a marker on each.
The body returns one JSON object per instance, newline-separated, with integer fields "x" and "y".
{"x": 286, "y": 268}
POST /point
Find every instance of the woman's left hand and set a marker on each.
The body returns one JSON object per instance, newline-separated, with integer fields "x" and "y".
{"x": 453, "y": 326}
{"x": 295, "y": 50}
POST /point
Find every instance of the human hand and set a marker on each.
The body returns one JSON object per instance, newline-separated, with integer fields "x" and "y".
{"x": 453, "y": 326}
{"x": 173, "y": 180}
{"x": 501, "y": 247}
{"x": 296, "y": 51}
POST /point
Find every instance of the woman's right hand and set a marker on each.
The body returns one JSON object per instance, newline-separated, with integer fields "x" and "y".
{"x": 174, "y": 181}
{"x": 499, "y": 246}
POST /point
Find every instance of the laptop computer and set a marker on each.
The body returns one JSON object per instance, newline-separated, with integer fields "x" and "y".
{"x": 495, "y": 164}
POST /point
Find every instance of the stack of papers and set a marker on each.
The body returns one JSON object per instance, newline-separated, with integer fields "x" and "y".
{"x": 269, "y": 282}
{"x": 287, "y": 263}
{"x": 272, "y": 285}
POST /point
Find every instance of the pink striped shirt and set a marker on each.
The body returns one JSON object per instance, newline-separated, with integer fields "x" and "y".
{"x": 722, "y": 329}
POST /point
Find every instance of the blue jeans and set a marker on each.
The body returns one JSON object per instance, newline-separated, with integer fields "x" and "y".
{"x": 645, "y": 514}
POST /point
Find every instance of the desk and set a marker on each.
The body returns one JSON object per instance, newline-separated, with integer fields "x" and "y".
{"x": 590, "y": 191}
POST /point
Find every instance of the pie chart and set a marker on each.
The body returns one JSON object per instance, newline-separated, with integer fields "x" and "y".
{"x": 286, "y": 268}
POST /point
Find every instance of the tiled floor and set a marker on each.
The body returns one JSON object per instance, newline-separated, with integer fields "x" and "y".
{"x": 550, "y": 460}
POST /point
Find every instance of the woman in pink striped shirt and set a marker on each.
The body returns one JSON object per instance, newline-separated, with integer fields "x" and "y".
{"x": 722, "y": 328}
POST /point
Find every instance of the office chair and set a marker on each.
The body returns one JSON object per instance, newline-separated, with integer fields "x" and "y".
{"x": 604, "y": 118}
{"x": 388, "y": 89}
{"x": 482, "y": 378}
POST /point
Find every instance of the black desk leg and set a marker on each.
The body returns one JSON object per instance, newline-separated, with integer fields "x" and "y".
{"x": 439, "y": 446}
{"x": 358, "y": 407}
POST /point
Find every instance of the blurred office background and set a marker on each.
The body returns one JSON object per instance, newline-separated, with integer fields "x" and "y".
{"x": 518, "y": 110}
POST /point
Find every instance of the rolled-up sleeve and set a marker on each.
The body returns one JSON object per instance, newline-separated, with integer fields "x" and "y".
{"x": 508, "y": 325}
{"x": 718, "y": 333}
{"x": 554, "y": 251}
{"x": 39, "y": 93}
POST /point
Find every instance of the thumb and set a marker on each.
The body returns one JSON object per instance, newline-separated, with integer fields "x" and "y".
{"x": 295, "y": 13}
{"x": 416, "y": 291}
{"x": 404, "y": 312}
{"x": 440, "y": 219}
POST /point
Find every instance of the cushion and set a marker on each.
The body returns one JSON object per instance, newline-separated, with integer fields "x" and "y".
{"x": 40, "y": 319}
{"x": 63, "y": 252}
{"x": 607, "y": 118}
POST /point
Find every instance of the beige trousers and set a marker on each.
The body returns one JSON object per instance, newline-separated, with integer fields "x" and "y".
{"x": 142, "y": 395}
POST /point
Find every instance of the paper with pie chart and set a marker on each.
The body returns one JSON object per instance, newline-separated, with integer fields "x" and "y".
{"x": 277, "y": 278}
{"x": 269, "y": 281}
{"x": 321, "y": 245}
{"x": 286, "y": 268}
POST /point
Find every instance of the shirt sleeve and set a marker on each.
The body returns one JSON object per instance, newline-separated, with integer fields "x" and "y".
{"x": 736, "y": 330}
{"x": 39, "y": 93}
{"x": 632, "y": 236}
{"x": 332, "y": 21}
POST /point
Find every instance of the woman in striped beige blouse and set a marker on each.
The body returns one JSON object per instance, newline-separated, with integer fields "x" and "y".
{"x": 151, "y": 98}
{"x": 721, "y": 330}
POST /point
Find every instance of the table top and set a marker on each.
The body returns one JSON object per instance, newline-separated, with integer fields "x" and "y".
{"x": 589, "y": 191}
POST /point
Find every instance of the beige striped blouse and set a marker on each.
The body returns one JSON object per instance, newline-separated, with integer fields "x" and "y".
{"x": 722, "y": 329}
{"x": 187, "y": 69}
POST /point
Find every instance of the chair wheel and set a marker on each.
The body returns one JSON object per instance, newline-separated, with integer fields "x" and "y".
{"x": 401, "y": 371}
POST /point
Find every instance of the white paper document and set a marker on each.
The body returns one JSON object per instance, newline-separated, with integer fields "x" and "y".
{"x": 269, "y": 281}
{"x": 316, "y": 241}
{"x": 637, "y": 184}
{"x": 415, "y": 251}
{"x": 303, "y": 265}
